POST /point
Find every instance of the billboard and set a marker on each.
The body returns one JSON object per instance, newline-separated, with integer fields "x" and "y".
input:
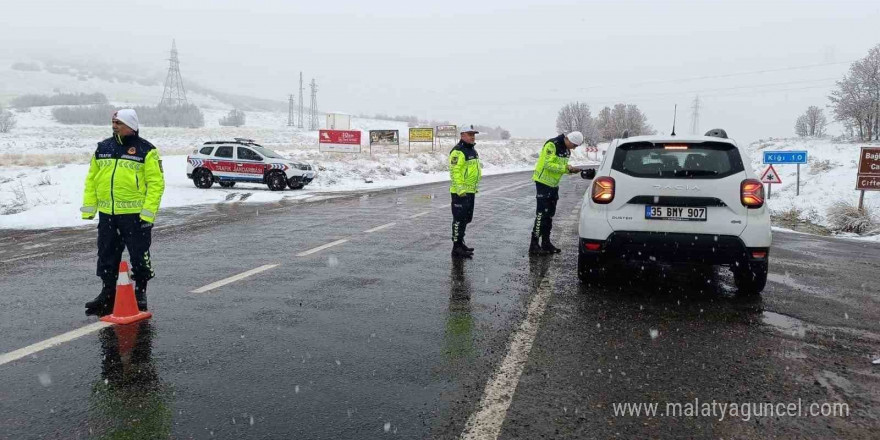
{"x": 421, "y": 135}
{"x": 447, "y": 131}
{"x": 339, "y": 141}
{"x": 384, "y": 137}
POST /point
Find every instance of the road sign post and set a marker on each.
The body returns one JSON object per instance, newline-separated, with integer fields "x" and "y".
{"x": 786, "y": 157}
{"x": 770, "y": 176}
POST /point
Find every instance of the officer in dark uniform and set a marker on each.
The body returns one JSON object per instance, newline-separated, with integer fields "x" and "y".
{"x": 465, "y": 173}
{"x": 124, "y": 187}
{"x": 551, "y": 166}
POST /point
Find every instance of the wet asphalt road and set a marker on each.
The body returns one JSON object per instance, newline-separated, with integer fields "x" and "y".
{"x": 384, "y": 335}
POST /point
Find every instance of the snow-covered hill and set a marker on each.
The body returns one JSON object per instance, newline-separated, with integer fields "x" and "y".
{"x": 829, "y": 177}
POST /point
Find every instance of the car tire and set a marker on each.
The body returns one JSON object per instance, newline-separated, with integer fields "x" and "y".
{"x": 227, "y": 184}
{"x": 750, "y": 278}
{"x": 203, "y": 178}
{"x": 590, "y": 269}
{"x": 276, "y": 181}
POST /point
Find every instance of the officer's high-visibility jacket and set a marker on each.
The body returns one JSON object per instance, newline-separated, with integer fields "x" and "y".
{"x": 465, "y": 171}
{"x": 553, "y": 162}
{"x": 125, "y": 177}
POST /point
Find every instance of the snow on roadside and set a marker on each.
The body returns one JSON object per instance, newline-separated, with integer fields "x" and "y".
{"x": 828, "y": 177}
{"x": 50, "y": 196}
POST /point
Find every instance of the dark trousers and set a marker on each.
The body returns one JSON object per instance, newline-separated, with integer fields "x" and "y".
{"x": 118, "y": 232}
{"x": 547, "y": 197}
{"x": 462, "y": 214}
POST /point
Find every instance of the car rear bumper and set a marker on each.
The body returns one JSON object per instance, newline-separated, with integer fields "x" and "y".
{"x": 672, "y": 248}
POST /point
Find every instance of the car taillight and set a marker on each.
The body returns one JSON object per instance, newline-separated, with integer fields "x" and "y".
{"x": 752, "y": 193}
{"x": 603, "y": 190}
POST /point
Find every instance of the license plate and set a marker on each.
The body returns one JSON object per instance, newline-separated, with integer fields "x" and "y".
{"x": 679, "y": 213}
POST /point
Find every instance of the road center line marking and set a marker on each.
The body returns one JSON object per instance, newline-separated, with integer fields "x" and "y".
{"x": 379, "y": 228}
{"x": 234, "y": 278}
{"x": 321, "y": 248}
{"x": 25, "y": 257}
{"x": 485, "y": 424}
{"x": 51, "y": 342}
{"x": 420, "y": 214}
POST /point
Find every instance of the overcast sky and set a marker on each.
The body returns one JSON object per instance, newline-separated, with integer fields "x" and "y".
{"x": 511, "y": 63}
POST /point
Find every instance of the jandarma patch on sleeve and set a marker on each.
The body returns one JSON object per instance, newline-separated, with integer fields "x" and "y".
{"x": 454, "y": 160}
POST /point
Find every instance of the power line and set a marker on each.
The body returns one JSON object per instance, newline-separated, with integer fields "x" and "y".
{"x": 725, "y": 75}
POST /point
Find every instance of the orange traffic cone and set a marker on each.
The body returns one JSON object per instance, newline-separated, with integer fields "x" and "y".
{"x": 125, "y": 309}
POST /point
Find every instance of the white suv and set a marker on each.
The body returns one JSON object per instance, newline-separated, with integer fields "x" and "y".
{"x": 676, "y": 199}
{"x": 243, "y": 160}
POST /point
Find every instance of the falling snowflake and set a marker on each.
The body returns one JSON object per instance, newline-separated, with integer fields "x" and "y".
{"x": 387, "y": 426}
{"x": 45, "y": 379}
{"x": 654, "y": 333}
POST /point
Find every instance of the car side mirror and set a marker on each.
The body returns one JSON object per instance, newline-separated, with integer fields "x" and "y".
{"x": 588, "y": 174}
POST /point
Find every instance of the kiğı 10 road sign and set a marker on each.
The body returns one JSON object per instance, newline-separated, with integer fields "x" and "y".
{"x": 785, "y": 157}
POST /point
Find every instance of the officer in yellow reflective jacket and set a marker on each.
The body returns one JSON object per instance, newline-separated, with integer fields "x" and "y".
{"x": 124, "y": 188}
{"x": 465, "y": 173}
{"x": 551, "y": 166}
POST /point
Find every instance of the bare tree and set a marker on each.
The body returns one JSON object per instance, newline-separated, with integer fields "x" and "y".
{"x": 623, "y": 118}
{"x": 811, "y": 123}
{"x": 800, "y": 126}
{"x": 575, "y": 116}
{"x": 856, "y": 100}
{"x": 235, "y": 118}
{"x": 7, "y": 120}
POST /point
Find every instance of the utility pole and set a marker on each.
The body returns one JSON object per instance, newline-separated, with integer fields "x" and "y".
{"x": 695, "y": 115}
{"x": 313, "y": 110}
{"x": 300, "y": 115}
{"x": 290, "y": 111}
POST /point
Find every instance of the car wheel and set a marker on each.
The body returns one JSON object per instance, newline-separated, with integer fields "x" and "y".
{"x": 590, "y": 269}
{"x": 276, "y": 181}
{"x": 227, "y": 184}
{"x": 750, "y": 278}
{"x": 203, "y": 178}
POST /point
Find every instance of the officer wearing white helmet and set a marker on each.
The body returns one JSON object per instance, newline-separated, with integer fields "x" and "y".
{"x": 551, "y": 166}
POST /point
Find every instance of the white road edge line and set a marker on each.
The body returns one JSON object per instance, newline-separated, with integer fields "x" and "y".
{"x": 234, "y": 278}
{"x": 379, "y": 228}
{"x": 420, "y": 214}
{"x": 26, "y": 257}
{"x": 51, "y": 342}
{"x": 321, "y": 248}
{"x": 485, "y": 424}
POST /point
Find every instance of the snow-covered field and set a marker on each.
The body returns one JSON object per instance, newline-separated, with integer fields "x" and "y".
{"x": 44, "y": 164}
{"x": 829, "y": 177}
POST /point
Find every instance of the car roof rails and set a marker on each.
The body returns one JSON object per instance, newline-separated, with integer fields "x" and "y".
{"x": 245, "y": 140}
{"x": 717, "y": 132}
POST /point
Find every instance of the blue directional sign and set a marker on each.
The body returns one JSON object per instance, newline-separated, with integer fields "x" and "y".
{"x": 792, "y": 157}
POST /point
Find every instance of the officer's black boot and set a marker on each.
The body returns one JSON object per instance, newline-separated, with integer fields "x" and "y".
{"x": 140, "y": 294}
{"x": 548, "y": 247}
{"x": 104, "y": 301}
{"x": 534, "y": 247}
{"x": 469, "y": 249}
{"x": 458, "y": 250}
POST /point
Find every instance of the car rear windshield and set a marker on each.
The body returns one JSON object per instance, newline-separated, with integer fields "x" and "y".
{"x": 705, "y": 160}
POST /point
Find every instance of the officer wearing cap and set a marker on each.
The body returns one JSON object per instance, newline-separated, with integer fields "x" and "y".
{"x": 124, "y": 188}
{"x": 465, "y": 173}
{"x": 552, "y": 165}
